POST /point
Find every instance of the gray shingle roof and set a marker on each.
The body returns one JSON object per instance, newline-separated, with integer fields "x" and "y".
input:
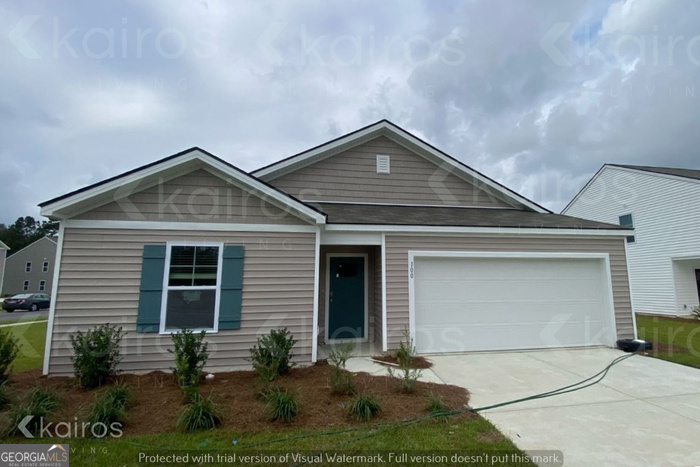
{"x": 342, "y": 213}
{"x": 686, "y": 173}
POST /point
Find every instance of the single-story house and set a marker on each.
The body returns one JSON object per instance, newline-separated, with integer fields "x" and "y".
{"x": 30, "y": 270}
{"x": 359, "y": 239}
{"x": 663, "y": 206}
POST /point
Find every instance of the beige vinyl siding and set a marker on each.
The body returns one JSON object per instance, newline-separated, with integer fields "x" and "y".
{"x": 100, "y": 277}
{"x": 351, "y": 176}
{"x": 372, "y": 260}
{"x": 397, "y": 248}
{"x": 198, "y": 196}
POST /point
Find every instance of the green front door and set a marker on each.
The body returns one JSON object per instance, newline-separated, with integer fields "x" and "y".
{"x": 346, "y": 298}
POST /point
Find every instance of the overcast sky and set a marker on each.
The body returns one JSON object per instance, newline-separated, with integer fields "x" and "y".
{"x": 537, "y": 94}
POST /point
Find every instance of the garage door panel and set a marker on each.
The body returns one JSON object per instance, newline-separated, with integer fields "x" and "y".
{"x": 464, "y": 304}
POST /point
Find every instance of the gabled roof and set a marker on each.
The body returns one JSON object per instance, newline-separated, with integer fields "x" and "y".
{"x": 366, "y": 214}
{"x": 3, "y": 246}
{"x": 685, "y": 173}
{"x": 689, "y": 174}
{"x": 178, "y": 164}
{"x": 35, "y": 242}
{"x": 405, "y": 139}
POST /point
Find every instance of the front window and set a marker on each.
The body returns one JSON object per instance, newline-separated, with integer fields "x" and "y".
{"x": 28, "y": 267}
{"x": 45, "y": 267}
{"x": 42, "y": 286}
{"x": 25, "y": 286}
{"x": 191, "y": 294}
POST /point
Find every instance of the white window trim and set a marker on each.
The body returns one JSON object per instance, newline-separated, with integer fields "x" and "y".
{"x": 45, "y": 267}
{"x": 42, "y": 286}
{"x": 28, "y": 267}
{"x": 166, "y": 288}
{"x": 25, "y": 286}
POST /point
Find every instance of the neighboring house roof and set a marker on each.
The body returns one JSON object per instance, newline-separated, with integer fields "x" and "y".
{"x": 34, "y": 243}
{"x": 400, "y": 136}
{"x": 127, "y": 183}
{"x": 372, "y": 214}
{"x": 3, "y": 246}
{"x": 682, "y": 173}
{"x": 685, "y": 173}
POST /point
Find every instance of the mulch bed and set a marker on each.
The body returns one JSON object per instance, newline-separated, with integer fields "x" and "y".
{"x": 418, "y": 362}
{"x": 158, "y": 400}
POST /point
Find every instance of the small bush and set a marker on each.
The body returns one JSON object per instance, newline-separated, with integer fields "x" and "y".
{"x": 341, "y": 381}
{"x": 40, "y": 405}
{"x": 45, "y": 400}
{"x": 201, "y": 413}
{"x": 435, "y": 403}
{"x": 190, "y": 357}
{"x": 272, "y": 355}
{"x": 695, "y": 312}
{"x": 405, "y": 355}
{"x": 4, "y": 396}
{"x": 96, "y": 354}
{"x": 282, "y": 405}
{"x": 9, "y": 349}
{"x": 110, "y": 406}
{"x": 363, "y": 407}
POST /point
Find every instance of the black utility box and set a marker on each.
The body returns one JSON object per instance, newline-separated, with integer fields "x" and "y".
{"x": 631, "y": 345}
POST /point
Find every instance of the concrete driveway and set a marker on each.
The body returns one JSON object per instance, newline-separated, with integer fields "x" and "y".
{"x": 645, "y": 412}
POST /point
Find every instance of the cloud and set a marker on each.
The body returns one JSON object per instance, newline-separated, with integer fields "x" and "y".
{"x": 121, "y": 85}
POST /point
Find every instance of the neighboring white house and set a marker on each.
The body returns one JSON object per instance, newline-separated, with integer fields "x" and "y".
{"x": 663, "y": 206}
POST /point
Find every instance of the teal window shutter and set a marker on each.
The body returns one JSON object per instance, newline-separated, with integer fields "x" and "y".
{"x": 151, "y": 290}
{"x": 231, "y": 287}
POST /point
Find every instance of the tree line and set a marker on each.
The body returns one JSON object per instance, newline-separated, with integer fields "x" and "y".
{"x": 25, "y": 231}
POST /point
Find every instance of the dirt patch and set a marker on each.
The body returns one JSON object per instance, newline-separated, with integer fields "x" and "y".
{"x": 491, "y": 436}
{"x": 418, "y": 362}
{"x": 158, "y": 400}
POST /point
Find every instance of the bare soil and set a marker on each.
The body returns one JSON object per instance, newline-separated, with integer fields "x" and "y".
{"x": 158, "y": 400}
{"x": 418, "y": 362}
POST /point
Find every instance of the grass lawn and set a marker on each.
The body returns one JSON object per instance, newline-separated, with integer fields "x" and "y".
{"x": 31, "y": 337}
{"x": 472, "y": 436}
{"x": 675, "y": 339}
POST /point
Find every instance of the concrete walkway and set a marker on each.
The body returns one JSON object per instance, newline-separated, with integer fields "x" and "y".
{"x": 645, "y": 412}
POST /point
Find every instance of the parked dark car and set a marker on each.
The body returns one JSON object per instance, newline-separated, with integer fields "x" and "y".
{"x": 27, "y": 301}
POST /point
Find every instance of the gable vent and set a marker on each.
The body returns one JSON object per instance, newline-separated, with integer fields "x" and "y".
{"x": 383, "y": 164}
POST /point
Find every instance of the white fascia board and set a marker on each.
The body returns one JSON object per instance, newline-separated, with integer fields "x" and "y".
{"x": 396, "y": 132}
{"x": 3, "y": 246}
{"x": 524, "y": 231}
{"x": 52, "y": 209}
{"x": 54, "y": 297}
{"x": 189, "y": 226}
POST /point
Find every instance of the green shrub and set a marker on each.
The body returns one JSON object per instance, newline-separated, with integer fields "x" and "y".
{"x": 40, "y": 405}
{"x": 341, "y": 381}
{"x": 4, "y": 396}
{"x": 199, "y": 414}
{"x": 45, "y": 400}
{"x": 435, "y": 403}
{"x": 695, "y": 312}
{"x": 9, "y": 348}
{"x": 282, "y": 405}
{"x": 405, "y": 355}
{"x": 272, "y": 355}
{"x": 190, "y": 357}
{"x": 110, "y": 406}
{"x": 364, "y": 406}
{"x": 96, "y": 354}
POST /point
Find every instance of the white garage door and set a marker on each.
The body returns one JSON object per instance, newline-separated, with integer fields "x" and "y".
{"x": 470, "y": 304}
